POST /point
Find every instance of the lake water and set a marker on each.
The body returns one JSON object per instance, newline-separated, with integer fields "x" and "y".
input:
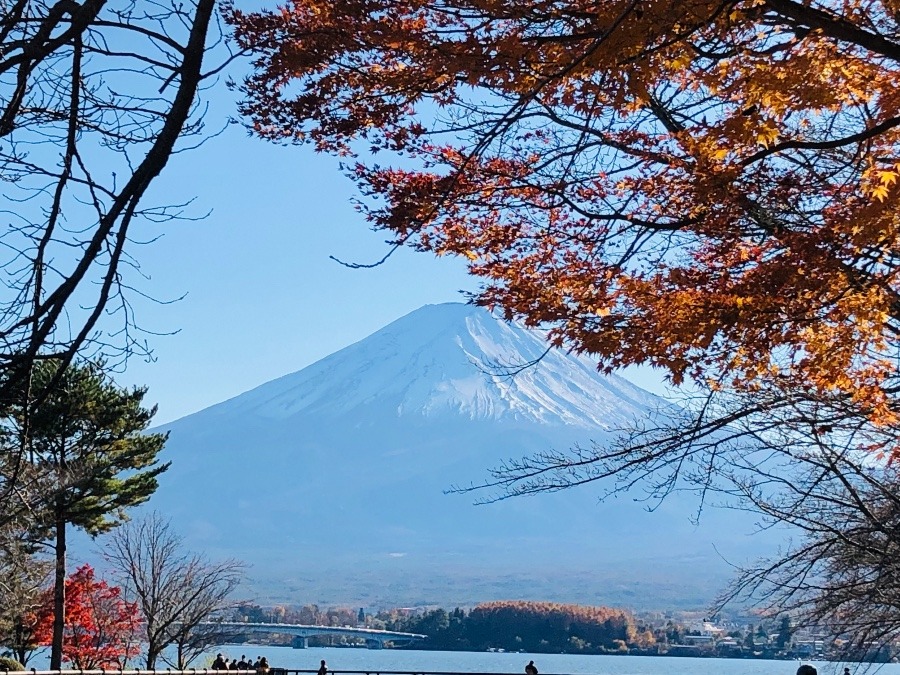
{"x": 374, "y": 661}
{"x": 382, "y": 660}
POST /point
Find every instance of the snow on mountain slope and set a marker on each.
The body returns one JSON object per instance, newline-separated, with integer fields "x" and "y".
{"x": 331, "y": 481}
{"x": 450, "y": 359}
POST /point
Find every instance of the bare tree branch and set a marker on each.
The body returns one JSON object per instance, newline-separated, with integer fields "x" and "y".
{"x": 175, "y": 590}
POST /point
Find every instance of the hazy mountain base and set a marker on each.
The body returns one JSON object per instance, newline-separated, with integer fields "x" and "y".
{"x": 660, "y": 585}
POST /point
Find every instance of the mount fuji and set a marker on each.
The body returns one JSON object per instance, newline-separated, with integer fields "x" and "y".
{"x": 331, "y": 481}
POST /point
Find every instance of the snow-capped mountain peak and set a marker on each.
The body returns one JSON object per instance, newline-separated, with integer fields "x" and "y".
{"x": 451, "y": 360}
{"x": 320, "y": 477}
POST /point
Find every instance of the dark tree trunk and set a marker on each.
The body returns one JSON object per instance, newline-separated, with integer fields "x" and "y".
{"x": 152, "y": 654}
{"x": 20, "y": 648}
{"x": 59, "y": 589}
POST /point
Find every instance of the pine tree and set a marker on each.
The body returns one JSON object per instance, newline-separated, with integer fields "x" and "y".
{"x": 84, "y": 438}
{"x": 784, "y": 633}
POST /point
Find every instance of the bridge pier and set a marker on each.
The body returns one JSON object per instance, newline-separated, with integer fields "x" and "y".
{"x": 300, "y": 642}
{"x": 374, "y": 644}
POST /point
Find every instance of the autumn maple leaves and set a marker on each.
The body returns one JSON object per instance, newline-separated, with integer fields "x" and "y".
{"x": 102, "y": 628}
{"x": 703, "y": 186}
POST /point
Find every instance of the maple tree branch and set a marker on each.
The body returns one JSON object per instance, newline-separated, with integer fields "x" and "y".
{"x": 835, "y": 26}
{"x": 872, "y": 132}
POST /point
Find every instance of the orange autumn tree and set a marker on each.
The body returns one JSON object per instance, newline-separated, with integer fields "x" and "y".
{"x": 707, "y": 187}
{"x": 528, "y": 624}
{"x": 101, "y": 629}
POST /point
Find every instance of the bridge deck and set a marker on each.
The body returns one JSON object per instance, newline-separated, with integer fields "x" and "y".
{"x": 305, "y": 630}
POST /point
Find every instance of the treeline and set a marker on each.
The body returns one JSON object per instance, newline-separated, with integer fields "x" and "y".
{"x": 527, "y": 626}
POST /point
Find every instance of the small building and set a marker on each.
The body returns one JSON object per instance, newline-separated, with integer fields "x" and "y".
{"x": 705, "y": 633}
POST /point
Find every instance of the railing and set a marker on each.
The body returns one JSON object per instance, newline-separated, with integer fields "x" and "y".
{"x": 375, "y": 671}
{"x": 210, "y": 671}
{"x": 134, "y": 671}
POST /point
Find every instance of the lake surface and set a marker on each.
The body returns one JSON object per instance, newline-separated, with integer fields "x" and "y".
{"x": 374, "y": 661}
{"x": 382, "y": 660}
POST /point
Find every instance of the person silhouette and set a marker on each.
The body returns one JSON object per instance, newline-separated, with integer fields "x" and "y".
{"x": 807, "y": 669}
{"x": 323, "y": 669}
{"x": 531, "y": 669}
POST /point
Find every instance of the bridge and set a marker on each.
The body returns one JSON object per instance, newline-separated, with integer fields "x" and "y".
{"x": 375, "y": 639}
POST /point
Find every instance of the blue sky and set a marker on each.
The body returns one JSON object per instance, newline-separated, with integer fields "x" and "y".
{"x": 263, "y": 298}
